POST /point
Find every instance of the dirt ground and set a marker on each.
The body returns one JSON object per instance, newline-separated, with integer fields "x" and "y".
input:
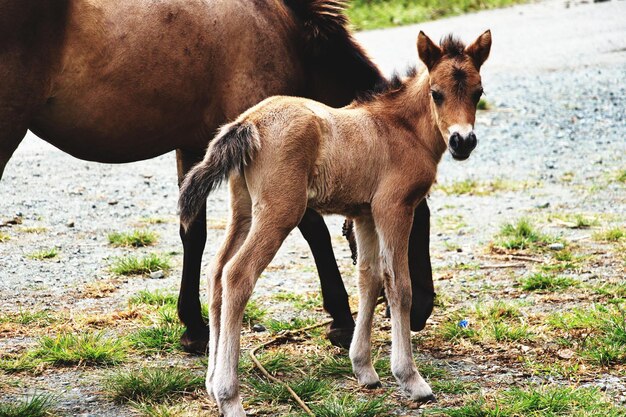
{"x": 551, "y": 151}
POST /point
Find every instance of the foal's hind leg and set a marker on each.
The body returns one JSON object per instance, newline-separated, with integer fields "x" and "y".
{"x": 393, "y": 224}
{"x": 270, "y": 226}
{"x": 237, "y": 231}
{"x": 370, "y": 284}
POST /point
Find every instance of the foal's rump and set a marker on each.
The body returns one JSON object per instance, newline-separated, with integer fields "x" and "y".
{"x": 231, "y": 150}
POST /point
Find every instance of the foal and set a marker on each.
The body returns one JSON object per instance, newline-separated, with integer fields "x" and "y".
{"x": 372, "y": 161}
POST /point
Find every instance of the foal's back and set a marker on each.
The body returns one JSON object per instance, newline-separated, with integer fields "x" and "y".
{"x": 338, "y": 153}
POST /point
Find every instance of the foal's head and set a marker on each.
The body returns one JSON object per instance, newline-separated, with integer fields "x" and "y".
{"x": 455, "y": 87}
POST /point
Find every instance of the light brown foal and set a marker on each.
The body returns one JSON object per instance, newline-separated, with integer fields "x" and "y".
{"x": 372, "y": 161}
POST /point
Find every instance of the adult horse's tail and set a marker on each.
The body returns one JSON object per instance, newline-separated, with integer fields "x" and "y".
{"x": 231, "y": 150}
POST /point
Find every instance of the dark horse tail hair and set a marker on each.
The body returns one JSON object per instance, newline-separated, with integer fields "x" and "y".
{"x": 231, "y": 150}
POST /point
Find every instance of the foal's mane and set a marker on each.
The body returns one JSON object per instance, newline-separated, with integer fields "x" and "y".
{"x": 451, "y": 46}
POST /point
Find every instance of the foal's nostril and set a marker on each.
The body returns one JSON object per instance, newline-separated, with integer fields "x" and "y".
{"x": 472, "y": 141}
{"x": 455, "y": 141}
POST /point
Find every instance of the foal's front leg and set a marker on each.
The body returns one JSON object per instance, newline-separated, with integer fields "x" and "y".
{"x": 394, "y": 225}
{"x": 370, "y": 284}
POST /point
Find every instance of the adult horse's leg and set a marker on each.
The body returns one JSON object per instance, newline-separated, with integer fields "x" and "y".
{"x": 334, "y": 292}
{"x": 196, "y": 336}
{"x": 11, "y": 134}
{"x": 420, "y": 269}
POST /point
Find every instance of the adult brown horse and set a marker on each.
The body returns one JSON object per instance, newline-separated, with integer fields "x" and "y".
{"x": 117, "y": 81}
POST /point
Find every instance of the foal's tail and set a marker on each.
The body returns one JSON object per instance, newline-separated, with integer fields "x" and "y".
{"x": 232, "y": 149}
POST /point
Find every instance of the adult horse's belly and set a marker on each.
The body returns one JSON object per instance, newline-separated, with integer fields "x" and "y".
{"x": 134, "y": 79}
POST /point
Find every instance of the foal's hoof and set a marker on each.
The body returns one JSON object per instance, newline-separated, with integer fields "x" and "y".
{"x": 428, "y": 399}
{"x": 340, "y": 337}
{"x": 375, "y": 385}
{"x": 195, "y": 342}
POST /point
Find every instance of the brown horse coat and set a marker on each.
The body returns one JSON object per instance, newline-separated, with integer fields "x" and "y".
{"x": 373, "y": 161}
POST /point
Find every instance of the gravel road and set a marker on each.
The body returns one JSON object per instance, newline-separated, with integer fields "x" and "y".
{"x": 556, "y": 85}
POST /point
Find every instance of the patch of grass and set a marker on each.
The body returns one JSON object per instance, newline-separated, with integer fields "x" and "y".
{"x": 510, "y": 332}
{"x": 80, "y": 349}
{"x": 4, "y": 237}
{"x": 278, "y": 362}
{"x": 333, "y": 366}
{"x": 351, "y": 406}
{"x": 553, "y": 400}
{"x": 611, "y": 235}
{"x": 600, "y": 333}
{"x": 276, "y": 326}
{"x": 551, "y": 367}
{"x": 154, "y": 298}
{"x": 613, "y": 290}
{"x": 481, "y": 188}
{"x": 135, "y": 239}
{"x": 38, "y": 318}
{"x": 132, "y": 265}
{"x": 549, "y": 401}
{"x": 163, "y": 336}
{"x": 431, "y": 371}
{"x": 451, "y": 330}
{"x": 38, "y": 405}
{"x": 309, "y": 389}
{"x": 152, "y": 409}
{"x": 546, "y": 282}
{"x": 301, "y": 301}
{"x": 502, "y": 310}
{"x": 374, "y": 14}
{"x": 153, "y": 385}
{"x": 521, "y": 235}
{"x": 483, "y": 104}
{"x": 253, "y": 313}
{"x": 44, "y": 254}
{"x": 621, "y": 176}
{"x": 20, "y": 363}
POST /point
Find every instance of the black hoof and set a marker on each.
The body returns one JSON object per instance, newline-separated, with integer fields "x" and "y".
{"x": 430, "y": 399}
{"x": 195, "y": 342}
{"x": 340, "y": 337}
{"x": 421, "y": 312}
{"x": 374, "y": 385}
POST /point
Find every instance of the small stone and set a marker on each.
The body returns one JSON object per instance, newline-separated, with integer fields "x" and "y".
{"x": 565, "y": 354}
{"x": 258, "y": 328}
{"x": 556, "y": 246}
{"x": 113, "y": 202}
{"x": 543, "y": 205}
{"x": 71, "y": 224}
{"x": 157, "y": 274}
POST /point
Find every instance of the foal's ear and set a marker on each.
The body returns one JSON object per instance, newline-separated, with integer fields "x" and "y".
{"x": 428, "y": 51}
{"x": 479, "y": 49}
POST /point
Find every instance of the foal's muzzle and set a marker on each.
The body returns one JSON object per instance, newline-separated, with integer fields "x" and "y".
{"x": 462, "y": 146}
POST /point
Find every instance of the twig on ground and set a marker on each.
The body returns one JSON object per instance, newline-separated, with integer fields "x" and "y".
{"x": 283, "y": 338}
{"x": 496, "y": 266}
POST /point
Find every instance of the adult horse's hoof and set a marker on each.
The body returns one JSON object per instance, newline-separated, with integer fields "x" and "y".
{"x": 340, "y": 336}
{"x": 195, "y": 342}
{"x": 375, "y": 385}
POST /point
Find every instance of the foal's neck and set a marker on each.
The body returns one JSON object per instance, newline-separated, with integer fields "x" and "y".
{"x": 409, "y": 109}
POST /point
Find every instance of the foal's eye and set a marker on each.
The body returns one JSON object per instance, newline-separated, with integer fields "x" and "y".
{"x": 476, "y": 96}
{"x": 437, "y": 96}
